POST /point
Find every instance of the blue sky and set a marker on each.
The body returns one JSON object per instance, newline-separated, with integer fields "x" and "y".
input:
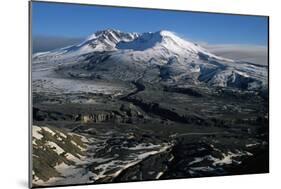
{"x": 74, "y": 21}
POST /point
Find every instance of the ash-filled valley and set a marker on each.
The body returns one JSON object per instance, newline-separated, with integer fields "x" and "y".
{"x": 122, "y": 107}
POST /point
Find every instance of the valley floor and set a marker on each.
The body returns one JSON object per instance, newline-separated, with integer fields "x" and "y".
{"x": 140, "y": 131}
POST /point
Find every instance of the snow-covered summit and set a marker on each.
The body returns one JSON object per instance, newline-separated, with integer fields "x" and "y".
{"x": 161, "y": 42}
{"x": 103, "y": 40}
{"x": 107, "y": 39}
{"x": 166, "y": 39}
{"x": 163, "y": 45}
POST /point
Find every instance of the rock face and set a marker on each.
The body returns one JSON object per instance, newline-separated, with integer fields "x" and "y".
{"x": 150, "y": 168}
{"x": 97, "y": 117}
{"x": 123, "y": 114}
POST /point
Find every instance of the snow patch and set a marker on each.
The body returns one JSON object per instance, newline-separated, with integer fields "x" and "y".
{"x": 49, "y": 130}
{"x": 55, "y": 147}
{"x": 36, "y": 132}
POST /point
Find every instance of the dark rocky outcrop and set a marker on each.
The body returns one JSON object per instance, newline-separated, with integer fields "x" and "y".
{"x": 182, "y": 90}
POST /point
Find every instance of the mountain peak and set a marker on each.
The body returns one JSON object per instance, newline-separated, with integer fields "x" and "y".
{"x": 159, "y": 39}
{"x": 110, "y": 33}
{"x": 117, "y": 33}
{"x": 167, "y": 33}
{"x": 107, "y": 32}
{"x": 161, "y": 43}
{"x": 102, "y": 33}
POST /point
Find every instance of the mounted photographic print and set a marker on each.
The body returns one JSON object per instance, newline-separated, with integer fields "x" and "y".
{"x": 120, "y": 94}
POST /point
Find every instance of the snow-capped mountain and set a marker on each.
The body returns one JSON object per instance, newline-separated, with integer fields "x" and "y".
{"x": 160, "y": 56}
{"x": 163, "y": 42}
{"x": 104, "y": 40}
